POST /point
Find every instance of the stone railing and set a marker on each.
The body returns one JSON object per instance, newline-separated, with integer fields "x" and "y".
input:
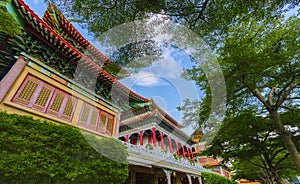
{"x": 163, "y": 156}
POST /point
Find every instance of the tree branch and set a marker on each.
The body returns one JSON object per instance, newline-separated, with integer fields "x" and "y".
{"x": 282, "y": 159}
{"x": 277, "y": 152}
{"x": 288, "y": 108}
{"x": 200, "y": 15}
{"x": 111, "y": 7}
{"x": 264, "y": 162}
{"x": 293, "y": 98}
{"x": 254, "y": 163}
{"x": 271, "y": 94}
{"x": 240, "y": 89}
{"x": 197, "y": 10}
{"x": 267, "y": 136}
{"x": 257, "y": 94}
{"x": 288, "y": 87}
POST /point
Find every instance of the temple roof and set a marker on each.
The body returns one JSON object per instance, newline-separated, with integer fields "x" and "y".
{"x": 144, "y": 117}
{"x": 45, "y": 33}
{"x": 147, "y": 111}
{"x": 59, "y": 23}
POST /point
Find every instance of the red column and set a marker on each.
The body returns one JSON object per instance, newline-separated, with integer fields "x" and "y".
{"x": 170, "y": 143}
{"x": 162, "y": 141}
{"x": 192, "y": 154}
{"x": 189, "y": 153}
{"x": 154, "y": 136}
{"x": 183, "y": 152}
{"x": 141, "y": 138}
{"x": 134, "y": 141}
{"x": 149, "y": 139}
{"x": 177, "y": 148}
{"x": 127, "y": 138}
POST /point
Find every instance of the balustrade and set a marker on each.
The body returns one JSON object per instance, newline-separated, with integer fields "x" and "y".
{"x": 155, "y": 153}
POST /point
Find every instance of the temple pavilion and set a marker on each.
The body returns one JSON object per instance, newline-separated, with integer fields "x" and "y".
{"x": 52, "y": 72}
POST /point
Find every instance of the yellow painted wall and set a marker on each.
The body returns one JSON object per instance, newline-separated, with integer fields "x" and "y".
{"x": 11, "y": 107}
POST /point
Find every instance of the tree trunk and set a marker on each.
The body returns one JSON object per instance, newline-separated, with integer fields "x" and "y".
{"x": 268, "y": 177}
{"x": 275, "y": 176}
{"x": 287, "y": 139}
{"x": 271, "y": 171}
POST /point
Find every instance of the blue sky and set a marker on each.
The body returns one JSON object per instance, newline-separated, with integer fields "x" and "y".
{"x": 161, "y": 81}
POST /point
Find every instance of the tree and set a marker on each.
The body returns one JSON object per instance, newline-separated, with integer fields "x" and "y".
{"x": 207, "y": 18}
{"x": 210, "y": 178}
{"x": 260, "y": 62}
{"x": 203, "y": 16}
{"x": 35, "y": 151}
{"x": 8, "y": 24}
{"x": 246, "y": 170}
{"x": 251, "y": 140}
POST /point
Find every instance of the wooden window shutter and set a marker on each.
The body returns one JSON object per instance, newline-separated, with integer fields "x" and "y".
{"x": 93, "y": 119}
{"x": 102, "y": 123}
{"x": 26, "y": 92}
{"x": 110, "y": 125}
{"x": 56, "y": 103}
{"x": 84, "y": 115}
{"x": 43, "y": 98}
{"x": 68, "y": 109}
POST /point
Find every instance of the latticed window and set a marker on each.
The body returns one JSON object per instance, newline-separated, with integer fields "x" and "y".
{"x": 56, "y": 103}
{"x": 103, "y": 119}
{"x": 109, "y": 127}
{"x": 84, "y": 114}
{"x": 43, "y": 97}
{"x": 62, "y": 105}
{"x": 69, "y": 107}
{"x": 89, "y": 116}
{"x": 38, "y": 95}
{"x": 26, "y": 92}
{"x": 96, "y": 119}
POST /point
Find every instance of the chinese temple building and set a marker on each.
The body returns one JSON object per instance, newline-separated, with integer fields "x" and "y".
{"x": 156, "y": 143}
{"x": 52, "y": 72}
{"x": 215, "y": 164}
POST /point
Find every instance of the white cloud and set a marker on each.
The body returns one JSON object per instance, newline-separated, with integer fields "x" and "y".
{"x": 166, "y": 71}
{"x": 147, "y": 79}
{"x": 167, "y": 67}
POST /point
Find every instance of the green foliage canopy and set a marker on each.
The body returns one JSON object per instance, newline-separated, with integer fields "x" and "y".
{"x": 210, "y": 19}
{"x": 260, "y": 63}
{"x": 258, "y": 151}
{"x": 34, "y": 151}
{"x": 210, "y": 178}
{"x": 8, "y": 24}
{"x": 205, "y": 17}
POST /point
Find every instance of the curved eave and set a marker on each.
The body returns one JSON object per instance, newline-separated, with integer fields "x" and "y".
{"x": 213, "y": 164}
{"x": 75, "y": 34}
{"x": 137, "y": 118}
{"x": 156, "y": 108}
{"x": 166, "y": 115}
{"x": 197, "y": 152}
{"x": 73, "y": 54}
{"x": 196, "y": 140}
